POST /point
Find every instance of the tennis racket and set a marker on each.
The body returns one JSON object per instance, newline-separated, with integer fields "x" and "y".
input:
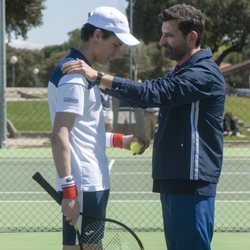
{"x": 100, "y": 233}
{"x": 56, "y": 196}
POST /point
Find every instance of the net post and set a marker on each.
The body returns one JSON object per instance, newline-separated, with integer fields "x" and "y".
{"x": 3, "y": 123}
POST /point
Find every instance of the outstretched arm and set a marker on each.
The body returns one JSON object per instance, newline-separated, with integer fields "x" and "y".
{"x": 117, "y": 140}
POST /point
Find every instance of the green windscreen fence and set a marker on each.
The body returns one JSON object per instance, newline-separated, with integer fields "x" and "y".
{"x": 24, "y": 205}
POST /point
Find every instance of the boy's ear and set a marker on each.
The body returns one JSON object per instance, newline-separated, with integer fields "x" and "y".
{"x": 97, "y": 34}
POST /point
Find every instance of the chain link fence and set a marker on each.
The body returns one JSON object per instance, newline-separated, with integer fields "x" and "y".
{"x": 24, "y": 206}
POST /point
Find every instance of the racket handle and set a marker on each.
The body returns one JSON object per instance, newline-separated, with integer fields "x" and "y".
{"x": 56, "y": 196}
{"x": 47, "y": 187}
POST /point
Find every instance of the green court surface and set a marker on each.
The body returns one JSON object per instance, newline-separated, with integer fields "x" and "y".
{"x": 24, "y": 206}
{"x": 151, "y": 241}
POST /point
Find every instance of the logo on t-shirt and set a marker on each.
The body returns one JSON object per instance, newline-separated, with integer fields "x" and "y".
{"x": 71, "y": 100}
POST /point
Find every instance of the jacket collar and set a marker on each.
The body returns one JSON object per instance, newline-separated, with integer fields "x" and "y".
{"x": 199, "y": 55}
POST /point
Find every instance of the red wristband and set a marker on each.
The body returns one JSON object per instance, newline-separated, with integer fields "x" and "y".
{"x": 70, "y": 192}
{"x": 117, "y": 140}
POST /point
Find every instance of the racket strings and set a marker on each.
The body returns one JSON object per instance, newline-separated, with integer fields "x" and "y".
{"x": 108, "y": 236}
{"x": 100, "y": 235}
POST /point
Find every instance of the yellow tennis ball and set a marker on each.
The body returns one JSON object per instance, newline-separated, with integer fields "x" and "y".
{"x": 136, "y": 147}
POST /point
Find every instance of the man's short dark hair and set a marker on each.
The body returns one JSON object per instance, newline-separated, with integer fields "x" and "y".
{"x": 88, "y": 30}
{"x": 188, "y": 17}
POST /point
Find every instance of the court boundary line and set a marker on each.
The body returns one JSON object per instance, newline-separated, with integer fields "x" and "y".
{"x": 118, "y": 201}
{"x": 122, "y": 192}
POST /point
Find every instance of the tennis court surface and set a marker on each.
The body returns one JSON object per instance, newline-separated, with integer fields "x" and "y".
{"x": 25, "y": 207}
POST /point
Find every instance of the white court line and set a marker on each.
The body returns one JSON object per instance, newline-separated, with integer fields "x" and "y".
{"x": 118, "y": 192}
{"x": 128, "y": 192}
{"x": 150, "y": 201}
{"x": 111, "y": 164}
{"x": 27, "y": 201}
{"x": 120, "y": 201}
{"x": 131, "y": 173}
{"x": 219, "y": 192}
{"x": 22, "y": 192}
{"x": 235, "y": 173}
{"x": 149, "y": 173}
{"x": 233, "y": 192}
{"x": 48, "y": 201}
{"x": 132, "y": 192}
{"x": 233, "y": 201}
{"x": 132, "y": 159}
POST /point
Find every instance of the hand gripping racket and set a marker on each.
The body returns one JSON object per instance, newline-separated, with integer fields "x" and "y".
{"x": 56, "y": 196}
{"x": 100, "y": 233}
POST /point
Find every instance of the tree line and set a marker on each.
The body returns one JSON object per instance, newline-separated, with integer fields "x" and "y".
{"x": 227, "y": 34}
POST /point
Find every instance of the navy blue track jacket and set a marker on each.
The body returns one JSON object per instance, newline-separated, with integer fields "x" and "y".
{"x": 188, "y": 143}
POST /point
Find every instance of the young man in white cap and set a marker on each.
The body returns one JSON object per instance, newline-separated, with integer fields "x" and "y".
{"x": 78, "y": 137}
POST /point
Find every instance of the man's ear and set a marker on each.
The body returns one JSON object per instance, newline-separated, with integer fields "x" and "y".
{"x": 192, "y": 37}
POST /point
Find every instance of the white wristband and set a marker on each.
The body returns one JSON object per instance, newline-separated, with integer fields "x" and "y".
{"x": 67, "y": 181}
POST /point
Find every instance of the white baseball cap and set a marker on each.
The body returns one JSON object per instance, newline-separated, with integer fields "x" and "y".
{"x": 111, "y": 19}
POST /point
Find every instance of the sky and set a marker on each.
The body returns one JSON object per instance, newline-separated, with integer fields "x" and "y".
{"x": 61, "y": 17}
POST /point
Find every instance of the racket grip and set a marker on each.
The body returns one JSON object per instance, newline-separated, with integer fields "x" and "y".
{"x": 47, "y": 187}
{"x": 56, "y": 196}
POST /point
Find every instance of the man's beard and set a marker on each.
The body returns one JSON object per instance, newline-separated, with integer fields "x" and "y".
{"x": 176, "y": 53}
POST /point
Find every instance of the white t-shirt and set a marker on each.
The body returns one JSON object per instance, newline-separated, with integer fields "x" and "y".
{"x": 87, "y": 138}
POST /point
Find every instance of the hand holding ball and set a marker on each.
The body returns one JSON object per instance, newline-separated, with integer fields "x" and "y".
{"x": 136, "y": 147}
